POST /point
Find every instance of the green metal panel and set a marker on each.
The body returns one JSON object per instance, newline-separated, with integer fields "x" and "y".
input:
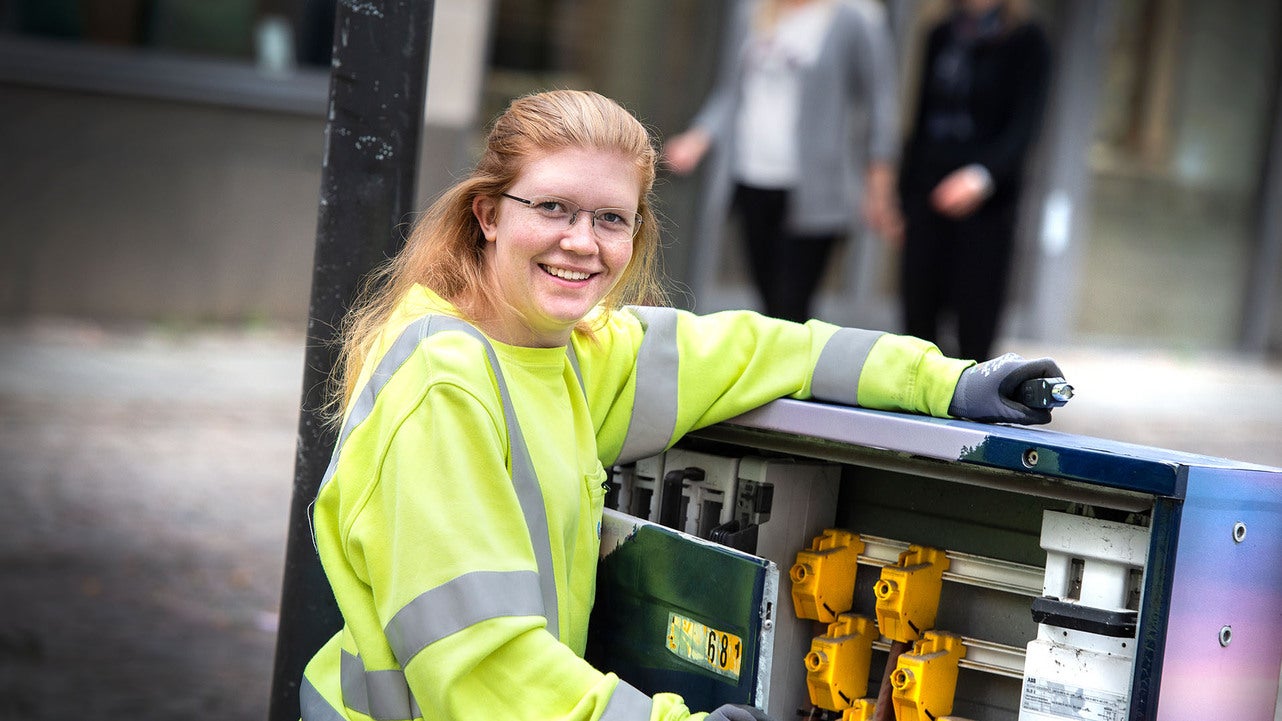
{"x": 681, "y": 614}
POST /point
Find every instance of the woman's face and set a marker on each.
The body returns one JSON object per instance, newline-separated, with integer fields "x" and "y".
{"x": 554, "y": 273}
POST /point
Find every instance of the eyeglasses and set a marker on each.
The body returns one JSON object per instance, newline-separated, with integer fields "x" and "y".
{"x": 611, "y": 225}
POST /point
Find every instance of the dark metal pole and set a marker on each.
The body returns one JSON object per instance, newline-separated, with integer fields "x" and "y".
{"x": 378, "y": 85}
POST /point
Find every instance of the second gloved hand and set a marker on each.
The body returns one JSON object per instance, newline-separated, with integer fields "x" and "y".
{"x": 989, "y": 392}
{"x": 737, "y": 712}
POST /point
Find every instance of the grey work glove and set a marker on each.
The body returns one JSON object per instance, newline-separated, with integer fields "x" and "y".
{"x": 738, "y": 712}
{"x": 989, "y": 392}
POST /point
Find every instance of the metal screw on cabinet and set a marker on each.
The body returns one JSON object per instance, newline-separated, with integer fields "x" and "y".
{"x": 1239, "y": 532}
{"x": 1226, "y": 635}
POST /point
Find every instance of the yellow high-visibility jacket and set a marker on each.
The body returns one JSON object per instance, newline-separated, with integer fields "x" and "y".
{"x": 458, "y": 522}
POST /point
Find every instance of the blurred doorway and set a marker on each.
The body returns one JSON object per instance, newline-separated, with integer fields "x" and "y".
{"x": 1182, "y": 134}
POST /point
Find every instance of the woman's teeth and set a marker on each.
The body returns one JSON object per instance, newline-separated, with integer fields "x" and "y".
{"x": 567, "y": 274}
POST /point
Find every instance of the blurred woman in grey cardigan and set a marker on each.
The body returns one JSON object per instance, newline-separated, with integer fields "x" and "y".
{"x": 804, "y": 118}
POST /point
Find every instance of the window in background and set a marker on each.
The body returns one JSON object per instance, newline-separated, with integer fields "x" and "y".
{"x": 288, "y": 31}
{"x": 534, "y": 47}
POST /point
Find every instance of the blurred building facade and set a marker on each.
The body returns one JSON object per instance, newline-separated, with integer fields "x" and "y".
{"x": 161, "y": 158}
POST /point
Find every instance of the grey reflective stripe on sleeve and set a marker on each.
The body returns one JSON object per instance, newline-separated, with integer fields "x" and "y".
{"x": 836, "y": 376}
{"x": 524, "y": 480}
{"x": 654, "y": 406}
{"x": 381, "y": 695}
{"x": 627, "y": 704}
{"x": 385, "y": 696}
{"x": 312, "y": 706}
{"x": 460, "y": 603}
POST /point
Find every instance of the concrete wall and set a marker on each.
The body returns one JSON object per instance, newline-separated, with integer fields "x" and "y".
{"x": 184, "y": 189}
{"x": 128, "y": 208}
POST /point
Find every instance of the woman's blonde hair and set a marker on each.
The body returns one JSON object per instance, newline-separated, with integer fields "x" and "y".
{"x": 445, "y": 250}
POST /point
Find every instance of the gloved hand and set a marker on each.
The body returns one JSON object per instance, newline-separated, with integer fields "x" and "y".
{"x": 737, "y": 712}
{"x": 989, "y": 392}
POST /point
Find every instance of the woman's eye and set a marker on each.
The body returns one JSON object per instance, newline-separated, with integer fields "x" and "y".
{"x": 551, "y": 207}
{"x": 610, "y": 217}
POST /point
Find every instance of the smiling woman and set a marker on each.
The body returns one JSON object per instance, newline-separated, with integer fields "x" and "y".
{"x": 547, "y": 267}
{"x": 508, "y": 354}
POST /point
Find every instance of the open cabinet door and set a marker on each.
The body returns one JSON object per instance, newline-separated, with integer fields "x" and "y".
{"x": 677, "y": 613}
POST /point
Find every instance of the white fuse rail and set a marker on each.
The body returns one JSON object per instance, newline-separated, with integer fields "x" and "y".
{"x": 986, "y": 656}
{"x": 991, "y": 573}
{"x": 964, "y": 568}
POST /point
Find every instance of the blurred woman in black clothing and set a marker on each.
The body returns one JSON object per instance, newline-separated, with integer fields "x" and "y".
{"x": 980, "y": 101}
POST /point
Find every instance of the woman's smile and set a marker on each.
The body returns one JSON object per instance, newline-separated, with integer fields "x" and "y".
{"x": 565, "y": 273}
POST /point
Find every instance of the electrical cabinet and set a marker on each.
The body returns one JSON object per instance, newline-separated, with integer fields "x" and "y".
{"x": 1014, "y": 573}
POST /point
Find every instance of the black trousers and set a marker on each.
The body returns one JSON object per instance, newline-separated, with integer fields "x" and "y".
{"x": 786, "y": 267}
{"x": 958, "y": 266}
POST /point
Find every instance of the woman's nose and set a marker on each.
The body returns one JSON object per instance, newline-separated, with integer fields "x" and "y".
{"x": 579, "y": 236}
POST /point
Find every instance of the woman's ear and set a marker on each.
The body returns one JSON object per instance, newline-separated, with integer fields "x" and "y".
{"x": 486, "y": 212}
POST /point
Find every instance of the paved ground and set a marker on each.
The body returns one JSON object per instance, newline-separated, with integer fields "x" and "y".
{"x": 146, "y": 482}
{"x": 145, "y": 479}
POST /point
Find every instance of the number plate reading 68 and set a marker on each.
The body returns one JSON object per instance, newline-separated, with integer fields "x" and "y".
{"x": 709, "y": 648}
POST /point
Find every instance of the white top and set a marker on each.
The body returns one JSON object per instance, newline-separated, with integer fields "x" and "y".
{"x": 767, "y": 123}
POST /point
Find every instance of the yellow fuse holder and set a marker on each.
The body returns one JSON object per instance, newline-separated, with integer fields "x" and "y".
{"x": 838, "y": 662}
{"x": 908, "y": 593}
{"x": 823, "y": 578}
{"x": 925, "y": 680}
{"x": 863, "y": 710}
